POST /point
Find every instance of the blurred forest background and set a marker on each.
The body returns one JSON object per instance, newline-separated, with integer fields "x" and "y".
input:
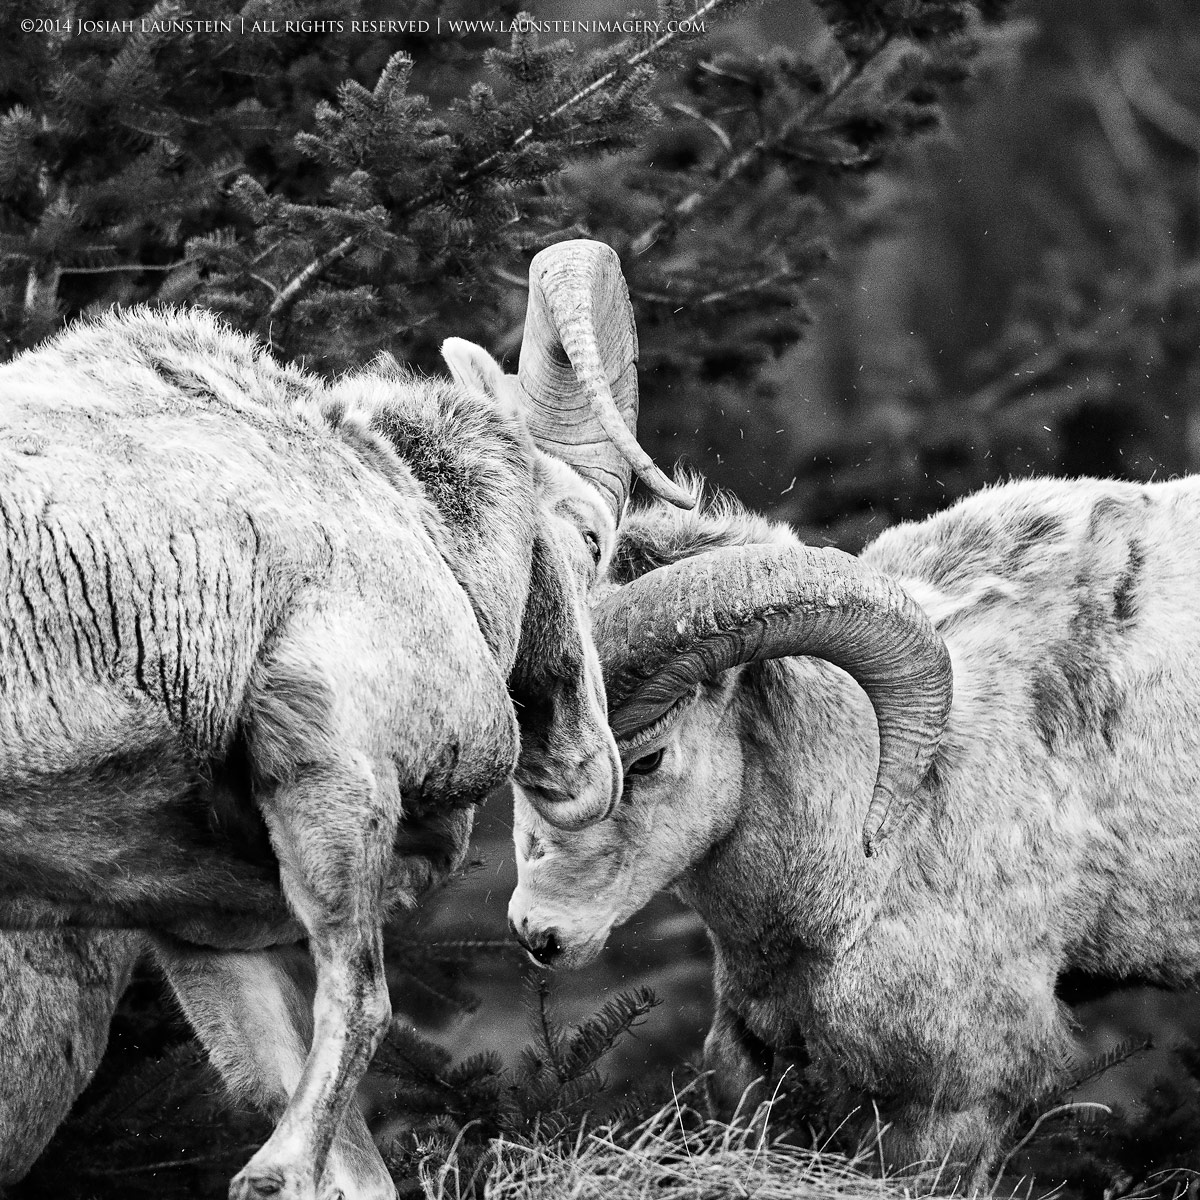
{"x": 881, "y": 254}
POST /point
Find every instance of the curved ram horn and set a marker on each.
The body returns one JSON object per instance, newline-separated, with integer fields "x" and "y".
{"x": 665, "y": 632}
{"x": 578, "y": 370}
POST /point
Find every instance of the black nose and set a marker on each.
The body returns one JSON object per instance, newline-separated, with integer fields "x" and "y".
{"x": 542, "y": 947}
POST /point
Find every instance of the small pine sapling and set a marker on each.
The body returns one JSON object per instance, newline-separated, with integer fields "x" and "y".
{"x": 457, "y": 1116}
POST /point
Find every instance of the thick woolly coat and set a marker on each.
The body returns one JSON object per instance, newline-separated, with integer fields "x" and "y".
{"x": 165, "y": 517}
{"x": 211, "y": 565}
{"x": 1058, "y": 830}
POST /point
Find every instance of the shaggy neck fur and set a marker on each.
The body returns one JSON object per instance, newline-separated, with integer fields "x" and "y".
{"x": 802, "y": 881}
{"x": 474, "y": 467}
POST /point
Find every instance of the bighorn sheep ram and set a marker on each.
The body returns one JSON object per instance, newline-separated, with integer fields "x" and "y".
{"x": 264, "y": 641}
{"x": 1045, "y": 819}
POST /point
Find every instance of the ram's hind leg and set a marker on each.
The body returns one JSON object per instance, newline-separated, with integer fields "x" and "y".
{"x": 58, "y": 990}
{"x": 253, "y": 1012}
{"x": 333, "y": 829}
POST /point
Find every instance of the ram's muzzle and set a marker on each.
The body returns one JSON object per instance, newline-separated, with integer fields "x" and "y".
{"x": 570, "y": 888}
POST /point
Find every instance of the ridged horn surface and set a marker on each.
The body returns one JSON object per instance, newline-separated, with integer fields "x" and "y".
{"x": 673, "y": 627}
{"x": 578, "y": 370}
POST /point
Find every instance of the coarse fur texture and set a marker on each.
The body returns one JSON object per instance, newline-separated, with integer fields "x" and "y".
{"x": 59, "y": 989}
{"x": 1059, "y": 829}
{"x": 256, "y": 639}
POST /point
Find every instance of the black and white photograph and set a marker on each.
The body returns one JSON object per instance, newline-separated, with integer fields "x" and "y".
{"x": 599, "y": 603}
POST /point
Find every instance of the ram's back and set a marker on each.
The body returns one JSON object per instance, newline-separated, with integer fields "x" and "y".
{"x": 1068, "y": 786}
{"x": 157, "y": 526}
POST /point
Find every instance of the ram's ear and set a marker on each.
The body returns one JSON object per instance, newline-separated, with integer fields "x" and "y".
{"x": 476, "y": 370}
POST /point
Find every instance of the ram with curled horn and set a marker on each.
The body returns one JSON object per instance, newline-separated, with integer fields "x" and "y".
{"x": 1000, "y": 702}
{"x": 265, "y": 641}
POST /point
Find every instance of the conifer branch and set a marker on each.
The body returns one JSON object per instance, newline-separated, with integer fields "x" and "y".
{"x": 454, "y": 948}
{"x": 295, "y": 288}
{"x": 734, "y": 169}
{"x": 291, "y": 292}
{"x": 1121, "y": 1052}
{"x": 173, "y": 1164}
{"x": 1155, "y": 104}
{"x": 114, "y": 268}
{"x": 743, "y": 162}
{"x": 720, "y": 296}
{"x": 714, "y": 127}
{"x": 544, "y": 1027}
{"x": 1068, "y": 349}
{"x": 644, "y": 55}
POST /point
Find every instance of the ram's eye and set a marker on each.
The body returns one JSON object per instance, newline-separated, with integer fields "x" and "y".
{"x": 592, "y": 541}
{"x": 647, "y": 765}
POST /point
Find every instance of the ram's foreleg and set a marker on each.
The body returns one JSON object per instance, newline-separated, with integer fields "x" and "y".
{"x": 253, "y": 1012}
{"x": 332, "y": 827}
{"x": 738, "y": 1067}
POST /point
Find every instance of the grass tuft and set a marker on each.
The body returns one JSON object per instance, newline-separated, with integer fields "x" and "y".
{"x": 674, "y": 1155}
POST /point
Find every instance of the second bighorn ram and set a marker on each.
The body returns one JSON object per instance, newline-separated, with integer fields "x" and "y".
{"x": 1045, "y": 818}
{"x": 265, "y": 641}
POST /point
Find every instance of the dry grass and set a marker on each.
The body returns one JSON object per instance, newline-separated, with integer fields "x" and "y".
{"x": 664, "y": 1160}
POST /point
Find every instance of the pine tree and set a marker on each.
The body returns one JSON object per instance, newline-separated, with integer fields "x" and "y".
{"x": 117, "y": 146}
{"x": 426, "y": 218}
{"x": 340, "y": 213}
{"x": 1107, "y": 315}
{"x": 460, "y": 1109}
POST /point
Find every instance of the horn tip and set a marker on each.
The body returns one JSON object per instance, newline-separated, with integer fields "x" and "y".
{"x": 880, "y": 821}
{"x": 666, "y": 489}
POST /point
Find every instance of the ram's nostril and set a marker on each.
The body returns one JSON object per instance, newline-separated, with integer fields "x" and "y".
{"x": 542, "y": 946}
{"x": 546, "y": 949}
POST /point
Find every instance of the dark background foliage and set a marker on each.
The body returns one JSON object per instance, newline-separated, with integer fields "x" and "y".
{"x": 881, "y": 254}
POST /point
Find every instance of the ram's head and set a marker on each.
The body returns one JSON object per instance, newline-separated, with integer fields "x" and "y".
{"x": 674, "y": 644}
